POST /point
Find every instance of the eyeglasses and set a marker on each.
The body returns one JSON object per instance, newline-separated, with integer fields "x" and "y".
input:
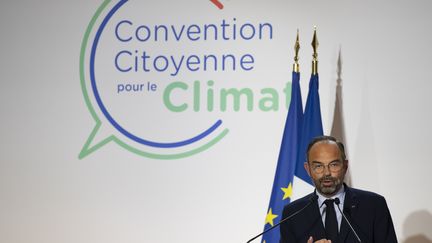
{"x": 334, "y": 167}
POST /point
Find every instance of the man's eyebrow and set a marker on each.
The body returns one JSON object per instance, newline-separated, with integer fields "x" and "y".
{"x": 318, "y": 162}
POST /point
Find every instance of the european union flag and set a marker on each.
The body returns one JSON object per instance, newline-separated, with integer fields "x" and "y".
{"x": 312, "y": 127}
{"x": 282, "y": 185}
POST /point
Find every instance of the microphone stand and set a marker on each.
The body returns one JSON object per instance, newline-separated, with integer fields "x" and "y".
{"x": 337, "y": 201}
{"x": 312, "y": 199}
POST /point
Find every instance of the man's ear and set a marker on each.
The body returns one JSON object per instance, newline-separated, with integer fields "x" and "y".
{"x": 306, "y": 166}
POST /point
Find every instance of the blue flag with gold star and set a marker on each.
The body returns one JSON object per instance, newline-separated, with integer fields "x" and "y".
{"x": 282, "y": 185}
{"x": 312, "y": 127}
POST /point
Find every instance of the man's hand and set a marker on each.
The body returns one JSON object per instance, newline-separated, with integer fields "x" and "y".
{"x": 320, "y": 241}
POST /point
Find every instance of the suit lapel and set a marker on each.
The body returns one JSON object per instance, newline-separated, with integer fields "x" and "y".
{"x": 350, "y": 209}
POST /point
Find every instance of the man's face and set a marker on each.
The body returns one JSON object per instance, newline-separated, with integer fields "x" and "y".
{"x": 326, "y": 167}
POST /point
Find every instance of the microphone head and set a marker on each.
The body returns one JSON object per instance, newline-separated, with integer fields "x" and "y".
{"x": 337, "y": 201}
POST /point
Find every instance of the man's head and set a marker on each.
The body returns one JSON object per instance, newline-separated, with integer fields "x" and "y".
{"x": 326, "y": 164}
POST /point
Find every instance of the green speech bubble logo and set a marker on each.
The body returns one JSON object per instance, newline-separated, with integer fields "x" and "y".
{"x": 102, "y": 133}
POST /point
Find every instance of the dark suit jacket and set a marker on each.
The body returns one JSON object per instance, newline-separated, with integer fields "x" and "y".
{"x": 367, "y": 212}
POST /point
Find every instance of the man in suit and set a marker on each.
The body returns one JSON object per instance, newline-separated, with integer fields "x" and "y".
{"x": 320, "y": 219}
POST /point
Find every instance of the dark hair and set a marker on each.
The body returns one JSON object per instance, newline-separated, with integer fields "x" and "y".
{"x": 326, "y": 139}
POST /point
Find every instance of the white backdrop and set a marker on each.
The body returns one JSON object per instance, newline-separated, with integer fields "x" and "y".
{"x": 219, "y": 195}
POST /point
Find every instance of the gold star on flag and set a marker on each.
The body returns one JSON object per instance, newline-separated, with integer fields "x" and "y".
{"x": 270, "y": 216}
{"x": 287, "y": 192}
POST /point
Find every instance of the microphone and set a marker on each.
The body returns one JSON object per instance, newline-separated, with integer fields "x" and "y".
{"x": 311, "y": 200}
{"x": 337, "y": 201}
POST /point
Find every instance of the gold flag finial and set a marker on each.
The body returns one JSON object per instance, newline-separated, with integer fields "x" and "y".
{"x": 315, "y": 54}
{"x": 296, "y": 66}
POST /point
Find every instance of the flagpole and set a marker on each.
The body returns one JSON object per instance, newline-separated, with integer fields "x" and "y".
{"x": 315, "y": 54}
{"x": 296, "y": 66}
